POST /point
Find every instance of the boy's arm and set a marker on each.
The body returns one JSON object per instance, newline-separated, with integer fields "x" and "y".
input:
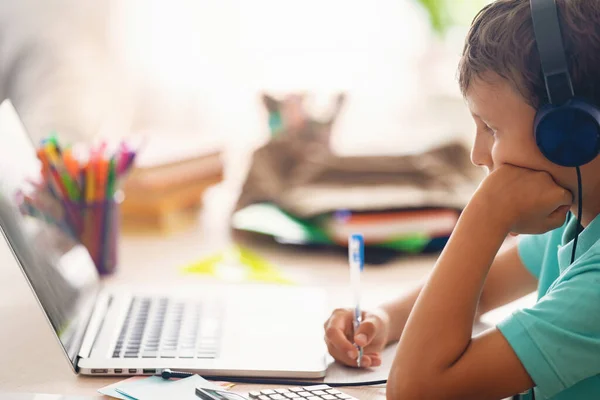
{"x": 436, "y": 357}
{"x": 508, "y": 280}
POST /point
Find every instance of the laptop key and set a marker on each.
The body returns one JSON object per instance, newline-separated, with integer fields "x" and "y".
{"x": 254, "y": 394}
{"x": 267, "y": 391}
{"x": 305, "y": 394}
{"x": 276, "y": 396}
{"x": 186, "y": 354}
{"x": 281, "y": 391}
{"x": 291, "y": 395}
{"x": 150, "y": 354}
{"x": 206, "y": 356}
{"x": 168, "y": 354}
{"x": 328, "y": 397}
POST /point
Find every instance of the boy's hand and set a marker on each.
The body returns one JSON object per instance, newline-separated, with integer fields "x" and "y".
{"x": 527, "y": 201}
{"x": 372, "y": 336}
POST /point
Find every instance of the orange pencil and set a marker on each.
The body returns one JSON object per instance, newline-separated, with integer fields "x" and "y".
{"x": 71, "y": 163}
{"x": 44, "y": 160}
{"x": 102, "y": 176}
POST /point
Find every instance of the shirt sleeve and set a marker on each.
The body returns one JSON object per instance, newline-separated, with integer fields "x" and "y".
{"x": 532, "y": 250}
{"x": 558, "y": 339}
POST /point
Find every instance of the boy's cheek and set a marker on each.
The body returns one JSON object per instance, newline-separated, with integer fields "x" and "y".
{"x": 520, "y": 154}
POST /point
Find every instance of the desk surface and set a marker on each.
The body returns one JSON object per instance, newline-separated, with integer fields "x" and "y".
{"x": 32, "y": 361}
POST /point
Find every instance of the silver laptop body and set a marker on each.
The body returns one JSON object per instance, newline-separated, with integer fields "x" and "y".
{"x": 214, "y": 330}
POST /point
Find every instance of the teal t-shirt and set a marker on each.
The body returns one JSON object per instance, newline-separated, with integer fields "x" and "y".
{"x": 558, "y": 339}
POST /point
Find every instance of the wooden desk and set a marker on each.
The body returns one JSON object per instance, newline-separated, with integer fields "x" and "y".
{"x": 25, "y": 335}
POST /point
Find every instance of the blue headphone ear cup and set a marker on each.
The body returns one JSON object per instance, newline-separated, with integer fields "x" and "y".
{"x": 568, "y": 135}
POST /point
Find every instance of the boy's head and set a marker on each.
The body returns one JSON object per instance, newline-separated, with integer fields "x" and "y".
{"x": 500, "y": 76}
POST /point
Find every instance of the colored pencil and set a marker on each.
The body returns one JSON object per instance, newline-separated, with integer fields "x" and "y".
{"x": 83, "y": 186}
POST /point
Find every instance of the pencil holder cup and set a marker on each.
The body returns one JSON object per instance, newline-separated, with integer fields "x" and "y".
{"x": 98, "y": 228}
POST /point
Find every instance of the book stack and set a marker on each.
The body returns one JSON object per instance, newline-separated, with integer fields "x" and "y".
{"x": 164, "y": 191}
{"x": 387, "y": 227}
{"x": 410, "y": 230}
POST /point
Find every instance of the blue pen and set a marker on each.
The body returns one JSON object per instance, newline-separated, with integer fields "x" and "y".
{"x": 356, "y": 259}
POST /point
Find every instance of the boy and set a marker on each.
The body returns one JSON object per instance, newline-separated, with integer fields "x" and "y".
{"x": 553, "y": 346}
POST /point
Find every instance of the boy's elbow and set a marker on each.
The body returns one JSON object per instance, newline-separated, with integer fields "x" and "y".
{"x": 408, "y": 386}
{"x": 404, "y": 392}
{"x": 419, "y": 386}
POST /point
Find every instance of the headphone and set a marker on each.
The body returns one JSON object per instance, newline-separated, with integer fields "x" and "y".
{"x": 567, "y": 129}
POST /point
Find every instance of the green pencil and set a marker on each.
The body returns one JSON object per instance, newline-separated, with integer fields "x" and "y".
{"x": 110, "y": 187}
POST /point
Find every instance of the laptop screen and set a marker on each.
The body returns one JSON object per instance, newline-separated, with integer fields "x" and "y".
{"x": 58, "y": 269}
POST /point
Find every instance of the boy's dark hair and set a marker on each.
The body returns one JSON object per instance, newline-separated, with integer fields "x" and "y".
{"x": 501, "y": 40}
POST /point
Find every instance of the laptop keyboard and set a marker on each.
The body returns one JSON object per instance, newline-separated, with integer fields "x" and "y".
{"x": 167, "y": 328}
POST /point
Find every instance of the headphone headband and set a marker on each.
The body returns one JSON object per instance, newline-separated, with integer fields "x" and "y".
{"x": 552, "y": 53}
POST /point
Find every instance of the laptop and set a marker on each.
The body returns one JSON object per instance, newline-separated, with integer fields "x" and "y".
{"x": 214, "y": 330}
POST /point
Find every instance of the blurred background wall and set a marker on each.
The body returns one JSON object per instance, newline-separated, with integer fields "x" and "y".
{"x": 188, "y": 68}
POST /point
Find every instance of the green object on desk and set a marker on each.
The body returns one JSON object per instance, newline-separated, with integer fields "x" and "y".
{"x": 268, "y": 219}
{"x": 414, "y": 243}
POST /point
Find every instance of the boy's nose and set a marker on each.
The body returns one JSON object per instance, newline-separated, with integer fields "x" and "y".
{"x": 480, "y": 155}
{"x": 481, "y": 159}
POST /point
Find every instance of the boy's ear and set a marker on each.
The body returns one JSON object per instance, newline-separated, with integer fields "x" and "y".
{"x": 337, "y": 106}
{"x": 270, "y": 103}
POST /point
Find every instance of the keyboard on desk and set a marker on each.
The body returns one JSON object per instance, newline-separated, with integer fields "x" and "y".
{"x": 167, "y": 328}
{"x": 316, "y": 392}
